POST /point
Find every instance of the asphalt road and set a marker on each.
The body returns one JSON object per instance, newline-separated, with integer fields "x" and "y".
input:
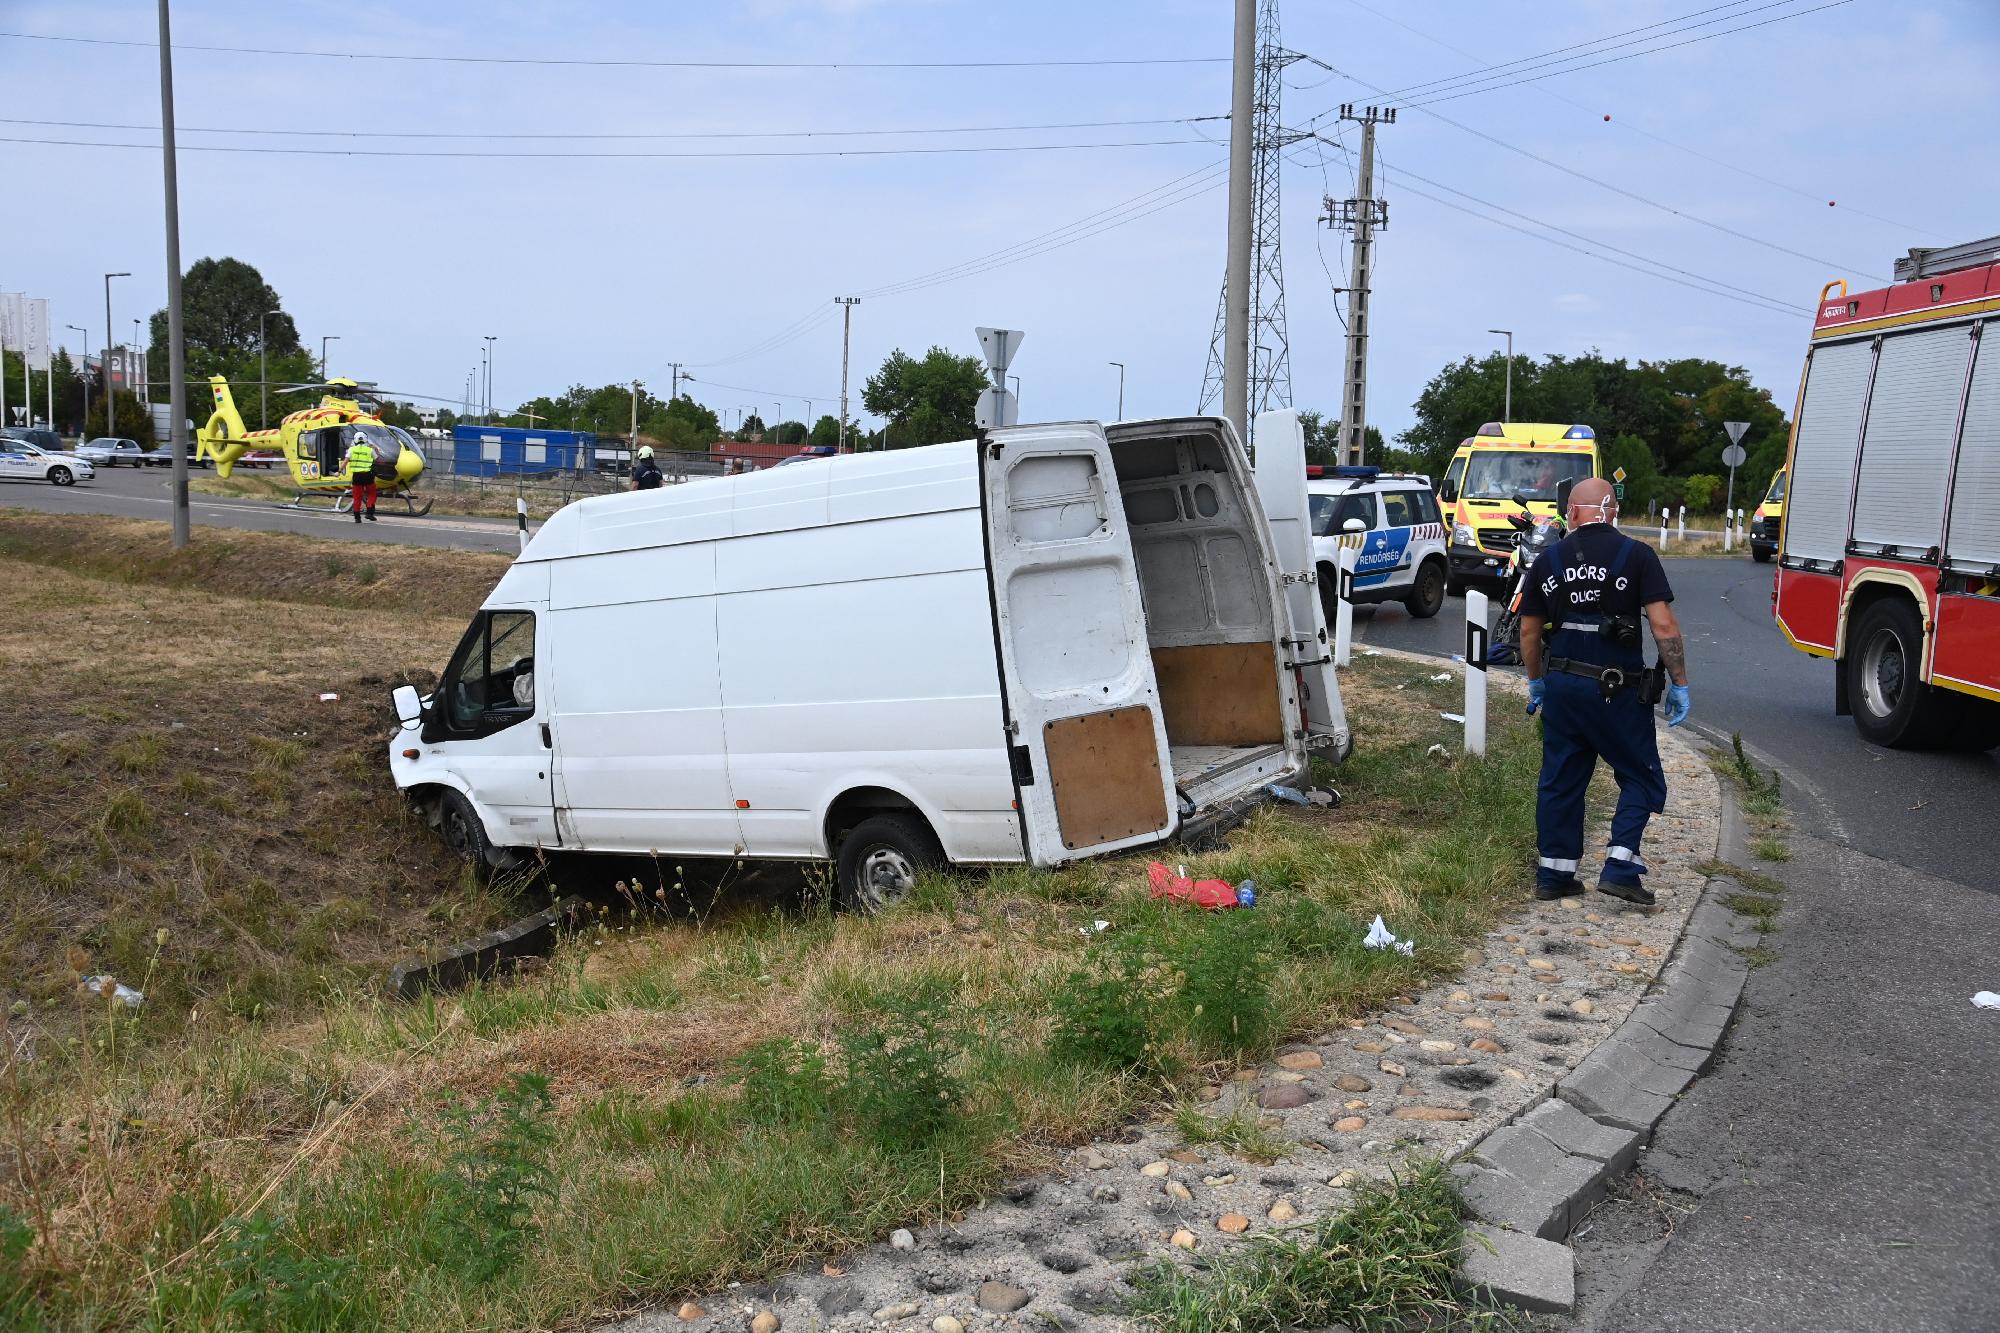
{"x": 1839, "y": 1166}
{"x": 1917, "y": 810}
{"x": 144, "y": 493}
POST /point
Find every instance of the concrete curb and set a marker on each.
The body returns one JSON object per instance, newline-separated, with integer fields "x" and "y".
{"x": 1533, "y": 1179}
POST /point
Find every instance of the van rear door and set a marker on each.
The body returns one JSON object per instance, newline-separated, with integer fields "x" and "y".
{"x": 1280, "y": 471}
{"x": 1087, "y": 739}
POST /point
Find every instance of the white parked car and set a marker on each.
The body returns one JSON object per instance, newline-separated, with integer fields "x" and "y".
{"x": 1051, "y": 643}
{"x": 21, "y": 461}
{"x": 108, "y": 452}
{"x": 1393, "y": 519}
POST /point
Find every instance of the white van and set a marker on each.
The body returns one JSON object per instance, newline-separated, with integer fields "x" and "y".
{"x": 1049, "y": 643}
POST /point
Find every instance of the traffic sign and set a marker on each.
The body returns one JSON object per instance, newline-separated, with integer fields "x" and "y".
{"x": 1734, "y": 455}
{"x": 1736, "y": 430}
{"x": 1618, "y": 474}
{"x": 999, "y": 346}
{"x": 1618, "y": 488}
{"x": 996, "y": 407}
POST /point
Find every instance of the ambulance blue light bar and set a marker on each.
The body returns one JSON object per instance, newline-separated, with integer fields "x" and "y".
{"x": 1579, "y": 433}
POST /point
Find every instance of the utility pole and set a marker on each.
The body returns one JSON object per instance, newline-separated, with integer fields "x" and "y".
{"x": 263, "y": 375}
{"x": 1236, "y": 273}
{"x": 490, "y": 339}
{"x": 635, "y": 420}
{"x": 176, "y": 367}
{"x": 847, "y": 304}
{"x": 1121, "y": 388}
{"x": 1362, "y": 214}
{"x": 1507, "y": 403}
{"x": 324, "y": 340}
{"x": 84, "y": 375}
{"x": 675, "y": 391}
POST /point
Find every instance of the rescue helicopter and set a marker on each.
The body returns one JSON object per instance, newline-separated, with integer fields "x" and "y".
{"x": 314, "y": 441}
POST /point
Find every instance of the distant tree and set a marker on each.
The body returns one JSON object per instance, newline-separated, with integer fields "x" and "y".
{"x": 1642, "y": 471}
{"x": 69, "y": 393}
{"x": 826, "y": 431}
{"x": 752, "y": 428}
{"x": 401, "y": 414}
{"x": 446, "y": 419}
{"x": 133, "y": 421}
{"x": 789, "y": 432}
{"x": 1703, "y": 492}
{"x": 221, "y": 300}
{"x": 927, "y": 401}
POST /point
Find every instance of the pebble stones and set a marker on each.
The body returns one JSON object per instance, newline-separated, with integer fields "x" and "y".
{"x": 1283, "y": 1097}
{"x": 1183, "y": 1239}
{"x": 1179, "y": 1191}
{"x": 1282, "y": 1211}
{"x": 1157, "y": 1170}
{"x": 1234, "y": 1224}
{"x": 1391, "y": 1067}
{"x": 1001, "y": 1297}
{"x": 899, "y": 1310}
{"x": 1301, "y": 1060}
{"x": 689, "y": 1312}
{"x": 1430, "y": 1113}
{"x": 901, "y": 1239}
{"x": 1350, "y": 1124}
{"x": 1352, "y": 1083}
{"x": 1104, "y": 1194}
{"x": 765, "y": 1322}
{"x": 944, "y": 1323}
{"x": 1090, "y": 1159}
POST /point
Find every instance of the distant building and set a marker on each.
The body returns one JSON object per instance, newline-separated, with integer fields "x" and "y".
{"x": 128, "y": 369}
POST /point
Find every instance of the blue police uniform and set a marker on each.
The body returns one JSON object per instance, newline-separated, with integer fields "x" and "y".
{"x": 1595, "y": 573}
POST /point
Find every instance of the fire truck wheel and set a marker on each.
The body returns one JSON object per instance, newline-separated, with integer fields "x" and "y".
{"x": 1892, "y": 705}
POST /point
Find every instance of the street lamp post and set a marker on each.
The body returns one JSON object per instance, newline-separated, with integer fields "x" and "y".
{"x": 110, "y": 394}
{"x": 145, "y": 368}
{"x": 84, "y": 375}
{"x": 1507, "y": 408}
{"x": 263, "y": 375}
{"x": 489, "y": 339}
{"x": 1121, "y": 388}
{"x": 1017, "y": 396}
{"x": 324, "y": 340}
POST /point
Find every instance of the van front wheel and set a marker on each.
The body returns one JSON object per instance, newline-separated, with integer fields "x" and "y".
{"x": 880, "y": 860}
{"x": 464, "y": 834}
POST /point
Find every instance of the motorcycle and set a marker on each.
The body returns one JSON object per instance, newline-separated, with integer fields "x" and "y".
{"x": 1532, "y": 536}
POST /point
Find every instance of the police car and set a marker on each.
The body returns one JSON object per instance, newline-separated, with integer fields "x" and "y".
{"x": 21, "y": 461}
{"x": 1392, "y": 520}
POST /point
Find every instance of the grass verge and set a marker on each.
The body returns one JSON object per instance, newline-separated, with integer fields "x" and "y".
{"x": 1386, "y": 1263}
{"x": 664, "y": 1107}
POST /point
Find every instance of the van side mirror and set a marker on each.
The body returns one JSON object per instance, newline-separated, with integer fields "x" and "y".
{"x": 1563, "y": 488}
{"x": 409, "y": 704}
{"x": 1448, "y": 492}
{"x": 1354, "y": 525}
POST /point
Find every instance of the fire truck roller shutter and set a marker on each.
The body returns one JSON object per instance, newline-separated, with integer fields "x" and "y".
{"x": 1974, "y": 539}
{"x": 1906, "y": 450}
{"x": 1829, "y": 432}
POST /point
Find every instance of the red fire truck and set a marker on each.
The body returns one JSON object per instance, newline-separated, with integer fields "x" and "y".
{"x": 1889, "y": 557}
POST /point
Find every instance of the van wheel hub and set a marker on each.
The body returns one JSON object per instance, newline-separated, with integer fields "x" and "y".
{"x": 887, "y": 876}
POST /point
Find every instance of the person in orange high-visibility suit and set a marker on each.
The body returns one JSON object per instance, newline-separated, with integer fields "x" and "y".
{"x": 360, "y": 465}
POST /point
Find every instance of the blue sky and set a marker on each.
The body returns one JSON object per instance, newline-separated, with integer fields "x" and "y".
{"x": 599, "y": 269}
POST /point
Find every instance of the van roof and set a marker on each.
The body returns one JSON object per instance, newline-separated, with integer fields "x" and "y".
{"x": 849, "y": 489}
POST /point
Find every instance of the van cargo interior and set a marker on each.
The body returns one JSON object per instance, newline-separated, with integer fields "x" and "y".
{"x": 1208, "y": 618}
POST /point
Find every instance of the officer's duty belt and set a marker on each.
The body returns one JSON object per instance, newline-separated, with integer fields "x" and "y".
{"x": 1609, "y": 678}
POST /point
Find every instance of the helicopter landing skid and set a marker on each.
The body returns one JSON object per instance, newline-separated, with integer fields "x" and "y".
{"x": 343, "y": 502}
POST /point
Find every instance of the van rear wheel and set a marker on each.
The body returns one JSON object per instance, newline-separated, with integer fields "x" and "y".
{"x": 881, "y": 859}
{"x": 1427, "y": 598}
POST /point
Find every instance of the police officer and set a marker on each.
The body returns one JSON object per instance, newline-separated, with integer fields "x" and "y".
{"x": 1593, "y": 685}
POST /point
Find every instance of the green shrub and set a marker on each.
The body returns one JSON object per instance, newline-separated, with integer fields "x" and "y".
{"x": 1111, "y": 1012}
{"x": 17, "y": 1301}
{"x": 274, "y": 1283}
{"x": 1225, "y": 989}
{"x": 495, "y": 1170}
{"x": 899, "y": 1088}
{"x": 784, "y": 1082}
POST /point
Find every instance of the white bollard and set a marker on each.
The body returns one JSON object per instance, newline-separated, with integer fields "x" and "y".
{"x": 1681, "y": 528}
{"x": 1728, "y": 530}
{"x": 1475, "y": 672}
{"x": 1343, "y": 615}
{"x": 1663, "y": 529}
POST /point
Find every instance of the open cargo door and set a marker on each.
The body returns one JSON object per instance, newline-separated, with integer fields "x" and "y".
{"x": 1280, "y": 469}
{"x": 1088, "y": 741}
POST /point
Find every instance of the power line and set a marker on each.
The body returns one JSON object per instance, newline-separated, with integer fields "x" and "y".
{"x": 1641, "y": 130}
{"x": 1512, "y": 81}
{"x": 1619, "y": 189}
{"x": 1607, "y": 42}
{"x": 586, "y": 156}
{"x": 663, "y": 134}
{"x": 767, "y": 393}
{"x": 627, "y": 63}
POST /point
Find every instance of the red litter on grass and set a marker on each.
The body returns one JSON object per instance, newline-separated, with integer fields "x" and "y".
{"x": 1212, "y": 894}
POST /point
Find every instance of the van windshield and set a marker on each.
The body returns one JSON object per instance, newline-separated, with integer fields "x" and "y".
{"x": 1501, "y": 474}
{"x": 1776, "y": 495}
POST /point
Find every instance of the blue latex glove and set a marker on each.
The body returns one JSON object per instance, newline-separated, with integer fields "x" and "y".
{"x": 1536, "y": 688}
{"x": 1677, "y": 705}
